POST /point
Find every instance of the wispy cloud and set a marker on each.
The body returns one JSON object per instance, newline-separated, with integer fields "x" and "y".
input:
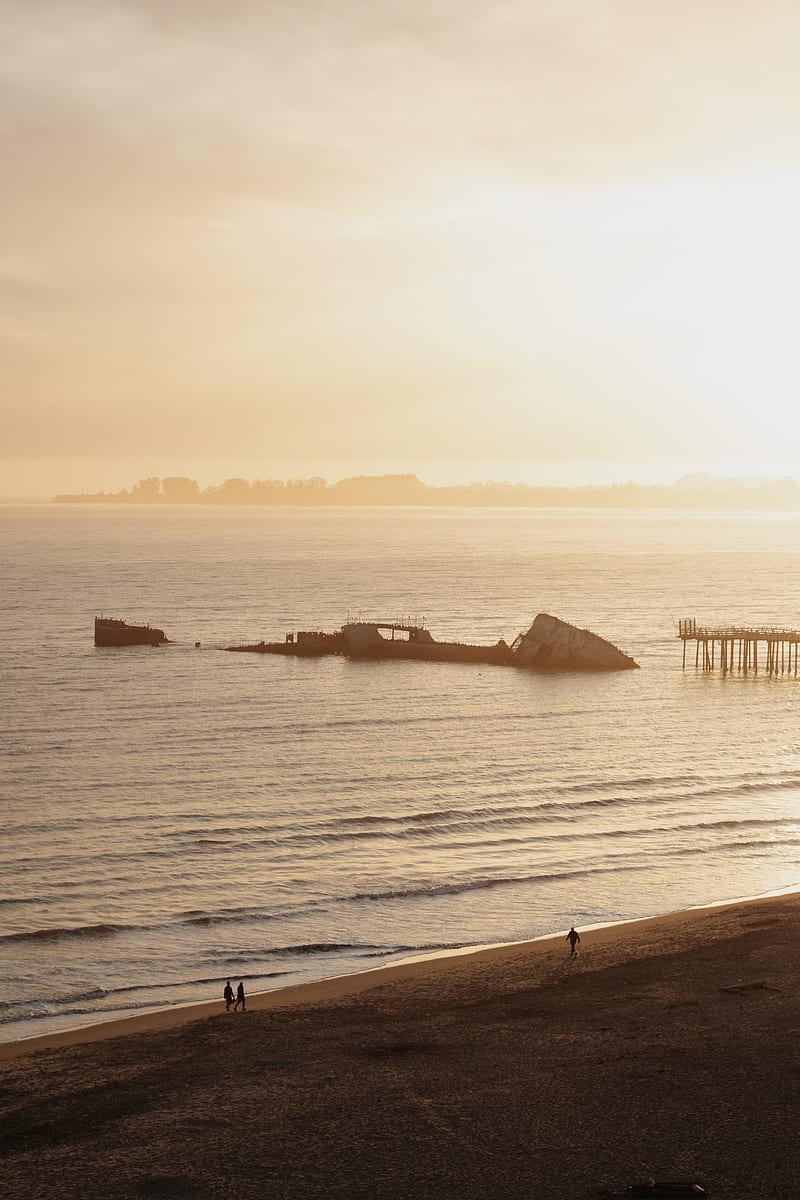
{"x": 243, "y": 215}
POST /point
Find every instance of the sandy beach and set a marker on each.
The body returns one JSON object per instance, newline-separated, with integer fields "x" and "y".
{"x": 665, "y": 1049}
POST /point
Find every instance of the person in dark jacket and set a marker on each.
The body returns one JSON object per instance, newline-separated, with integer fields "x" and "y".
{"x": 228, "y": 996}
{"x": 573, "y": 937}
{"x": 240, "y": 997}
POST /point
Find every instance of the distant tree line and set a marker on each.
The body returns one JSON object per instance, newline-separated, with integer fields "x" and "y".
{"x": 691, "y": 491}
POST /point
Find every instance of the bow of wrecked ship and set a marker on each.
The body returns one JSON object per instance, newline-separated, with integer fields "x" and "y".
{"x": 549, "y": 645}
{"x": 552, "y": 644}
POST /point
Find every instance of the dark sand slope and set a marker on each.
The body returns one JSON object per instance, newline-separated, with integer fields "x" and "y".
{"x": 667, "y": 1048}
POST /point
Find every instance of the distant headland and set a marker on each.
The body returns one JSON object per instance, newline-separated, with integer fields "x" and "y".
{"x": 690, "y": 491}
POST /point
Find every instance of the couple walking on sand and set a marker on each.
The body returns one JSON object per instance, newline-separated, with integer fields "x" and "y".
{"x": 228, "y": 997}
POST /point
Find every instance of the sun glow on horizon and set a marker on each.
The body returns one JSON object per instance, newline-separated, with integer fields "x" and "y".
{"x": 569, "y": 237}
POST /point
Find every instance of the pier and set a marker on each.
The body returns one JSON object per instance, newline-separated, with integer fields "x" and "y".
{"x": 742, "y": 647}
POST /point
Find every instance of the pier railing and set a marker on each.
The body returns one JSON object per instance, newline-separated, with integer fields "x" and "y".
{"x": 737, "y": 647}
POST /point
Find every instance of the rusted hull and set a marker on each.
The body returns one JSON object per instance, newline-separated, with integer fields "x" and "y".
{"x": 111, "y": 632}
{"x": 554, "y": 645}
{"x": 549, "y": 645}
{"x": 438, "y": 652}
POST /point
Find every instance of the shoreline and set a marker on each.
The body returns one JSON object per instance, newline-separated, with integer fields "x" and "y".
{"x": 664, "y": 1050}
{"x": 342, "y": 987}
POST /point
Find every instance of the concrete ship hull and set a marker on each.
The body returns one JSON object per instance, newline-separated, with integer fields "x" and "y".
{"x": 108, "y": 631}
{"x": 554, "y": 645}
{"x": 549, "y": 645}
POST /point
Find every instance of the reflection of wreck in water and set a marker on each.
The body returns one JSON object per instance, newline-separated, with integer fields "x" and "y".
{"x": 549, "y": 645}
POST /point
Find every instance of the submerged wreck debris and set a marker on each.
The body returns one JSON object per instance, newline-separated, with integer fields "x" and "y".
{"x": 110, "y": 631}
{"x": 549, "y": 645}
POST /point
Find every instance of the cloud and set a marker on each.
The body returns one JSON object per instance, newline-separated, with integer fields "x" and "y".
{"x": 314, "y": 96}
{"x": 232, "y": 219}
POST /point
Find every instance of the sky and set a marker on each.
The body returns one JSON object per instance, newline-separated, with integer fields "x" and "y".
{"x": 537, "y": 240}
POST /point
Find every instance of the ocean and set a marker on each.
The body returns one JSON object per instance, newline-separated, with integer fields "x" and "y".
{"x": 173, "y": 817}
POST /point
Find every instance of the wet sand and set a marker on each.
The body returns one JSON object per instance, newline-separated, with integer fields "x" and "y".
{"x": 666, "y": 1048}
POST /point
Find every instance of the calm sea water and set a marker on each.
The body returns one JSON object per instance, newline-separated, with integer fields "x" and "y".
{"x": 173, "y": 817}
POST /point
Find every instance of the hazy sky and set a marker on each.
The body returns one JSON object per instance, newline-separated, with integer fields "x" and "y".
{"x": 465, "y": 238}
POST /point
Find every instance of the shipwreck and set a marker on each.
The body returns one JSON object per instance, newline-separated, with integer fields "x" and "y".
{"x": 552, "y": 644}
{"x": 549, "y": 645}
{"x": 110, "y": 631}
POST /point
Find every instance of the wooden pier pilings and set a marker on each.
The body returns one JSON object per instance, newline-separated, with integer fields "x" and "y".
{"x": 742, "y": 647}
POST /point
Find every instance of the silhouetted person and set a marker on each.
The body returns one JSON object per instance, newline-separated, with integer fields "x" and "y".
{"x": 228, "y": 995}
{"x": 240, "y": 997}
{"x": 573, "y": 937}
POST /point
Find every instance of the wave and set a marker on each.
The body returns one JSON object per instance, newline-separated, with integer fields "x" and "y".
{"x": 177, "y": 823}
{"x": 42, "y": 1009}
{"x": 57, "y": 934}
{"x": 627, "y": 860}
{"x": 371, "y": 825}
{"x": 476, "y": 885}
{"x": 202, "y": 917}
{"x": 557, "y": 803}
{"x": 316, "y": 948}
{"x": 73, "y": 998}
{"x": 595, "y": 836}
{"x": 481, "y": 822}
{"x": 617, "y": 865}
{"x": 303, "y": 948}
{"x": 205, "y": 920}
{"x": 172, "y": 985}
{"x": 191, "y": 918}
{"x": 76, "y": 1004}
{"x": 705, "y": 785}
{"x": 420, "y": 949}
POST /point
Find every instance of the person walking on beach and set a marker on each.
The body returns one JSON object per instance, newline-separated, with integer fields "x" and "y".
{"x": 228, "y": 996}
{"x": 573, "y": 937}
{"x": 240, "y": 997}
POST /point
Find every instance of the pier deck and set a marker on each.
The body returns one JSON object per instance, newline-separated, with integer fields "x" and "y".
{"x": 736, "y": 647}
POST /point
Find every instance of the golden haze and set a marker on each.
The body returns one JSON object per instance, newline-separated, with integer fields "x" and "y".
{"x": 391, "y": 237}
